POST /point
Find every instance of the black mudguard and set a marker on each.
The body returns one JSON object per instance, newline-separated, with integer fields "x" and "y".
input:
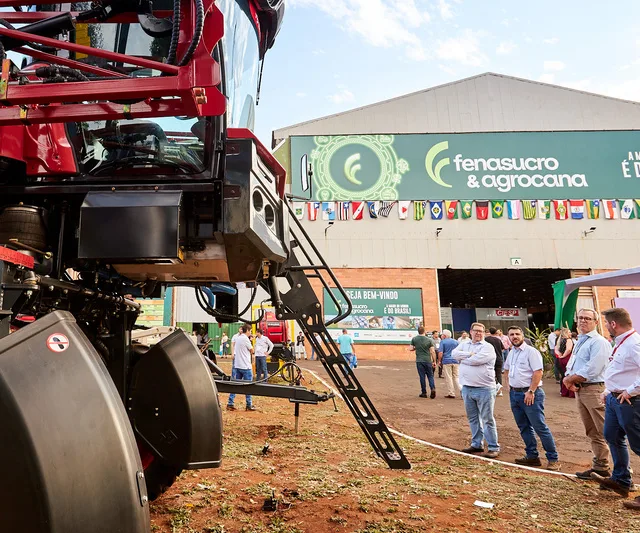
{"x": 68, "y": 457}
{"x": 173, "y": 405}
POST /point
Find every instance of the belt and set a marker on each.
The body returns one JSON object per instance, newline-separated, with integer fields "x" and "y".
{"x": 519, "y": 389}
{"x": 586, "y": 384}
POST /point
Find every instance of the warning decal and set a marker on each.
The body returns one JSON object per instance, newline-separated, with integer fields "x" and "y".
{"x": 57, "y": 342}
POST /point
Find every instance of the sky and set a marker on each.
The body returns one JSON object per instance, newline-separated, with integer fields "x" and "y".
{"x": 336, "y": 55}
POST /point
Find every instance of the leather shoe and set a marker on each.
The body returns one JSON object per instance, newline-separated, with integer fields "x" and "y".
{"x": 433, "y": 394}
{"x": 611, "y": 484}
{"x": 586, "y": 475}
{"x": 529, "y": 461}
{"x": 250, "y": 408}
{"x": 633, "y": 504}
{"x": 471, "y": 449}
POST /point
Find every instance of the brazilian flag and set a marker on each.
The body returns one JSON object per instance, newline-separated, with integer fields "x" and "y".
{"x": 497, "y": 208}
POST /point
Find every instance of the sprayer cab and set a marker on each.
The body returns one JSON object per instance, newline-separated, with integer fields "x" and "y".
{"x": 138, "y": 129}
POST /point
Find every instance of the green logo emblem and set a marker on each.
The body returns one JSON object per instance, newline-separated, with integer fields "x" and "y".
{"x": 363, "y": 167}
{"x": 434, "y": 173}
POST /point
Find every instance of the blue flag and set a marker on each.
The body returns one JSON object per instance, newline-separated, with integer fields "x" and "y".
{"x": 436, "y": 210}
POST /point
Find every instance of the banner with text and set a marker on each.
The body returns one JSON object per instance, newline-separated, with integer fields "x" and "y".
{"x": 469, "y": 166}
{"x": 379, "y": 315}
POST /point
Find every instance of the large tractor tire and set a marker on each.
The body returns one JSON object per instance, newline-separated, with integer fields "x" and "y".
{"x": 68, "y": 456}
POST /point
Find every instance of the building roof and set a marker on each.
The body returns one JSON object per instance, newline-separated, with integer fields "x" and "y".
{"x": 483, "y": 103}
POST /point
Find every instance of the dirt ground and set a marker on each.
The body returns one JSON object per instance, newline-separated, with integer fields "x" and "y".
{"x": 327, "y": 479}
{"x": 394, "y": 388}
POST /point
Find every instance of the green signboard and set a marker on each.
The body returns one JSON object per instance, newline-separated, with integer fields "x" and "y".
{"x": 470, "y": 166}
{"x": 378, "y": 315}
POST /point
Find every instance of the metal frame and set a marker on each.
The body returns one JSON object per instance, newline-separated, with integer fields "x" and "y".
{"x": 192, "y": 87}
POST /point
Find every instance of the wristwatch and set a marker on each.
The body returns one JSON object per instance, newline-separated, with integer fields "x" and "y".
{"x": 531, "y": 391}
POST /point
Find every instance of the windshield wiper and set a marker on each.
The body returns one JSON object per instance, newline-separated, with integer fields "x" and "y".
{"x": 183, "y": 166}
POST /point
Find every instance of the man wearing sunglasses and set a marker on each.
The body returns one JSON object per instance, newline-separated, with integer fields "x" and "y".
{"x": 585, "y": 376}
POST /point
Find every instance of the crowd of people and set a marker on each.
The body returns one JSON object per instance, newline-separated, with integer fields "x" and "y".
{"x": 603, "y": 376}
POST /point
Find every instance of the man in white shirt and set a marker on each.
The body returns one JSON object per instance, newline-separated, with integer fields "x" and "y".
{"x": 242, "y": 370}
{"x": 263, "y": 347}
{"x": 233, "y": 346}
{"x": 478, "y": 379}
{"x": 622, "y": 401}
{"x": 525, "y": 367}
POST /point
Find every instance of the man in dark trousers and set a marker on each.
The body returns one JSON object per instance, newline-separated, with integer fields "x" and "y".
{"x": 494, "y": 339}
{"x": 425, "y": 360}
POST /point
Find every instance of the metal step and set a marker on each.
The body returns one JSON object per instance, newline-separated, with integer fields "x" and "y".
{"x": 300, "y": 303}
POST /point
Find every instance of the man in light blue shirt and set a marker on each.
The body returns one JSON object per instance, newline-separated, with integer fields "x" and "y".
{"x": 585, "y": 376}
{"x": 478, "y": 379}
{"x": 345, "y": 342}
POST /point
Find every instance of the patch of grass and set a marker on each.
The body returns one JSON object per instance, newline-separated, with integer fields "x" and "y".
{"x": 388, "y": 526}
{"x": 180, "y": 517}
{"x": 279, "y": 525}
{"x": 225, "y": 510}
{"x": 260, "y": 489}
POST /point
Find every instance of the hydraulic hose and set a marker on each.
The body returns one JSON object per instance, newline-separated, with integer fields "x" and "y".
{"x": 175, "y": 33}
{"x": 197, "y": 34}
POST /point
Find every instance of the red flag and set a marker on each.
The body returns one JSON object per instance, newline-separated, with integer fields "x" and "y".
{"x": 482, "y": 210}
{"x": 358, "y": 209}
{"x": 561, "y": 209}
{"x": 452, "y": 209}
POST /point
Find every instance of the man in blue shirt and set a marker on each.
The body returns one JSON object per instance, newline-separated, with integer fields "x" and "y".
{"x": 448, "y": 363}
{"x": 585, "y": 376}
{"x": 345, "y": 342}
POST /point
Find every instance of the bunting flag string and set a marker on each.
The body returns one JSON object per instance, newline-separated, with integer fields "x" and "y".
{"x": 625, "y": 209}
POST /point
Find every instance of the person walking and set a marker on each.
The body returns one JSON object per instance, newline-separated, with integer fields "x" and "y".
{"x": 494, "y": 339}
{"x": 622, "y": 399}
{"x": 448, "y": 363}
{"x": 242, "y": 366}
{"x": 263, "y": 347}
{"x": 477, "y": 376}
{"x": 347, "y": 348}
{"x": 524, "y": 367}
{"x": 585, "y": 377}
{"x": 425, "y": 361}
{"x": 564, "y": 348}
{"x": 224, "y": 343}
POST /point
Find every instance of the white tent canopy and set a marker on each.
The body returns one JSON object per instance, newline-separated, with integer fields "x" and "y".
{"x": 629, "y": 277}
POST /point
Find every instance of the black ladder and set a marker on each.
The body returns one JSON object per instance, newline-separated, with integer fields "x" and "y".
{"x": 299, "y": 302}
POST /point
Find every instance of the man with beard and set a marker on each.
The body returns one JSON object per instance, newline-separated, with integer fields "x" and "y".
{"x": 524, "y": 366}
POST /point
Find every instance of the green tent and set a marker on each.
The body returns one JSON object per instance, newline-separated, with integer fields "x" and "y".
{"x": 565, "y": 292}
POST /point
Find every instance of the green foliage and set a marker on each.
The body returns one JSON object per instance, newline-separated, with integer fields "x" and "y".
{"x": 539, "y": 338}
